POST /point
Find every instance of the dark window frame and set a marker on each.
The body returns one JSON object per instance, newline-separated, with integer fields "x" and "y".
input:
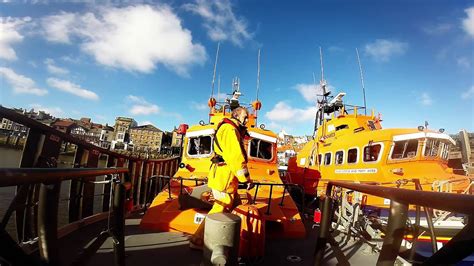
{"x": 199, "y": 155}
{"x": 349, "y": 155}
{"x": 249, "y": 153}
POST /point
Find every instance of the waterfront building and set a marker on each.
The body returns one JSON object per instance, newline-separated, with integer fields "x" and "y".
{"x": 122, "y": 133}
{"x": 9, "y": 127}
{"x": 176, "y": 139}
{"x": 146, "y": 138}
{"x": 106, "y": 136}
{"x": 65, "y": 125}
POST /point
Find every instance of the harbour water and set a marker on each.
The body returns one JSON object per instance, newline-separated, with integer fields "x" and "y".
{"x": 11, "y": 157}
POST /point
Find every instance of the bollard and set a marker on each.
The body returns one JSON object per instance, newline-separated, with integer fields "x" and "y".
{"x": 221, "y": 239}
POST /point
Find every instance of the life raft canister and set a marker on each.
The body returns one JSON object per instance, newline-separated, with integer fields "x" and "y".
{"x": 252, "y": 231}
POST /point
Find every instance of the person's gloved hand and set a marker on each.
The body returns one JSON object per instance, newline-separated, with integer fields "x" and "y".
{"x": 250, "y": 185}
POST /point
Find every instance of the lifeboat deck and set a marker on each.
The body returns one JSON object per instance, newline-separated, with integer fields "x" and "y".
{"x": 145, "y": 247}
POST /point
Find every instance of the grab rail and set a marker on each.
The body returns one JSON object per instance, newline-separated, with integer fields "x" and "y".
{"x": 43, "y": 148}
{"x": 49, "y": 181}
{"x": 162, "y": 185}
{"x": 455, "y": 250}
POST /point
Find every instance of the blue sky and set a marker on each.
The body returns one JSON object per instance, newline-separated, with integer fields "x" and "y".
{"x": 153, "y": 61}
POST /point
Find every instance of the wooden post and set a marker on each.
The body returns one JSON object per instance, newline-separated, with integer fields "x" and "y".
{"x": 31, "y": 152}
{"x": 144, "y": 182}
{"x": 88, "y": 191}
{"x": 75, "y": 190}
{"x": 136, "y": 181}
{"x": 50, "y": 149}
{"x": 48, "y": 223}
{"x": 111, "y": 162}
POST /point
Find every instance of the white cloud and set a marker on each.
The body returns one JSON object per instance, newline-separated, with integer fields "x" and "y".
{"x": 20, "y": 83}
{"x": 58, "y": 28}
{"x": 54, "y": 111}
{"x": 53, "y": 69}
{"x": 468, "y": 22}
{"x": 382, "y": 50}
{"x": 425, "y": 99}
{"x": 199, "y": 106}
{"x": 282, "y": 112}
{"x": 220, "y": 21}
{"x": 437, "y": 29}
{"x": 468, "y": 94}
{"x": 146, "y": 123}
{"x": 72, "y": 88}
{"x": 463, "y": 62}
{"x": 310, "y": 92}
{"x": 136, "y": 99}
{"x": 144, "y": 109}
{"x": 71, "y": 59}
{"x": 9, "y": 35}
{"x": 275, "y": 127}
{"x": 134, "y": 38}
{"x": 141, "y": 106}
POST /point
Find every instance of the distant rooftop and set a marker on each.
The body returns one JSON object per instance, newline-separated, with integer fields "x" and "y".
{"x": 64, "y": 123}
{"x": 147, "y": 127}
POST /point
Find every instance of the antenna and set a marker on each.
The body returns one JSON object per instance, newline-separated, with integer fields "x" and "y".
{"x": 322, "y": 82}
{"x": 258, "y": 72}
{"x": 362, "y": 80}
{"x": 215, "y": 66}
{"x": 321, "y": 59}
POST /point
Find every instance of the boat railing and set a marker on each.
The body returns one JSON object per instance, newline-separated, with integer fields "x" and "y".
{"x": 353, "y": 108}
{"x": 286, "y": 187}
{"x": 158, "y": 183}
{"x": 46, "y": 147}
{"x": 43, "y": 187}
{"x": 459, "y": 247}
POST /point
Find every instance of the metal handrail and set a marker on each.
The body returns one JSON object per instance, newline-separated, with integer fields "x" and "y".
{"x": 253, "y": 200}
{"x": 47, "y": 221}
{"x": 24, "y": 176}
{"x": 460, "y": 246}
{"x": 458, "y": 203}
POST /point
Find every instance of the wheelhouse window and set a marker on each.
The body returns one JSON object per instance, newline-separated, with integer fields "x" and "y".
{"x": 352, "y": 155}
{"x": 436, "y": 147}
{"x": 327, "y": 158}
{"x": 339, "y": 157}
{"x": 372, "y": 152}
{"x": 200, "y": 146}
{"x": 371, "y": 125}
{"x": 404, "y": 149}
{"x": 432, "y": 147}
{"x": 261, "y": 149}
{"x": 312, "y": 160}
{"x": 445, "y": 151}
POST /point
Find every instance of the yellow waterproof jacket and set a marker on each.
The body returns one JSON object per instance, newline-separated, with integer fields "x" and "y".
{"x": 225, "y": 176}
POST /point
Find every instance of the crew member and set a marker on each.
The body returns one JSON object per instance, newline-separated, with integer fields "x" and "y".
{"x": 229, "y": 167}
